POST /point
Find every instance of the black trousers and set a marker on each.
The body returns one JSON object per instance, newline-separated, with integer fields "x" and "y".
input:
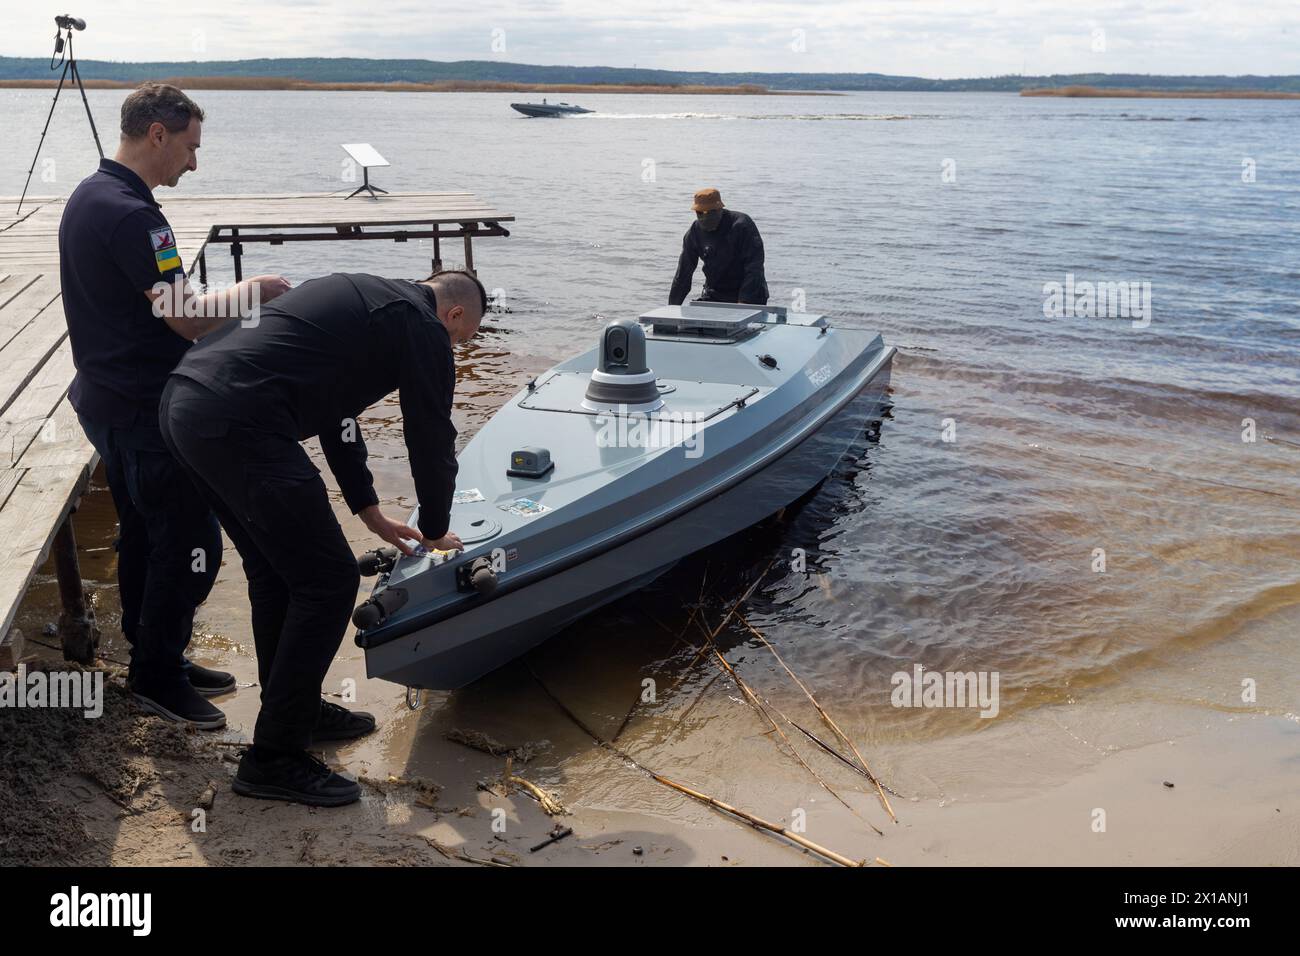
{"x": 302, "y": 575}
{"x": 168, "y": 547}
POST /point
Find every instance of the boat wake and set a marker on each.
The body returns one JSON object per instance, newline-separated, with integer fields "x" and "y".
{"x": 802, "y": 117}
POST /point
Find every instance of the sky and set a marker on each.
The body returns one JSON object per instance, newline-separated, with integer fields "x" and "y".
{"x": 933, "y": 38}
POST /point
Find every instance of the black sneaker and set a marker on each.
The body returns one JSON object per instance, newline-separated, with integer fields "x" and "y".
{"x": 208, "y": 682}
{"x": 296, "y": 777}
{"x": 179, "y": 702}
{"x": 339, "y": 723}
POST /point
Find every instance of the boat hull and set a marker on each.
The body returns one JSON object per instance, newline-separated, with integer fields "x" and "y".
{"x": 460, "y": 649}
{"x": 530, "y": 109}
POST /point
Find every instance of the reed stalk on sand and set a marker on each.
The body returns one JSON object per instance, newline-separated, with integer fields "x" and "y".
{"x": 735, "y": 812}
{"x": 752, "y": 698}
{"x": 825, "y": 716}
{"x": 835, "y": 728}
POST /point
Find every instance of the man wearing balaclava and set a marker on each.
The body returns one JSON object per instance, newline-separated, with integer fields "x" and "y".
{"x": 732, "y": 250}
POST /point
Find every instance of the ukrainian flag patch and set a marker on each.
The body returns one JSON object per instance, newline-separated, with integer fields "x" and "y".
{"x": 164, "y": 249}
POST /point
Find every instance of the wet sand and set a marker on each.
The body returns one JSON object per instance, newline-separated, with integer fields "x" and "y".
{"x": 1010, "y": 792}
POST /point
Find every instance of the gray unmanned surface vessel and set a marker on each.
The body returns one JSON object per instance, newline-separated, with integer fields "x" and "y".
{"x": 673, "y": 433}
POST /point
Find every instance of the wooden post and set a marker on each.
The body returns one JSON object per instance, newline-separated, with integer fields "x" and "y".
{"x": 77, "y": 628}
{"x": 11, "y": 649}
{"x": 237, "y": 252}
{"x": 437, "y": 250}
{"x": 469, "y": 249}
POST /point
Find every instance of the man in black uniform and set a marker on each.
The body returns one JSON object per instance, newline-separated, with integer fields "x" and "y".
{"x": 235, "y": 410}
{"x": 116, "y": 256}
{"x": 732, "y": 251}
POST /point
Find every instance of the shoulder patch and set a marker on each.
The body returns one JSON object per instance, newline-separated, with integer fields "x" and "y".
{"x": 165, "y": 252}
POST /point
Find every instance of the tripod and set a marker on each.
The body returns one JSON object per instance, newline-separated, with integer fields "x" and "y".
{"x": 366, "y": 187}
{"x": 69, "y": 68}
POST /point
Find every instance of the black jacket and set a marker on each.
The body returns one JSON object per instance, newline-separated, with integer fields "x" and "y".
{"x": 322, "y": 353}
{"x": 733, "y": 262}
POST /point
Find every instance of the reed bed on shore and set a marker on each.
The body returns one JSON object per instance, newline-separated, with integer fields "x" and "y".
{"x": 1131, "y": 93}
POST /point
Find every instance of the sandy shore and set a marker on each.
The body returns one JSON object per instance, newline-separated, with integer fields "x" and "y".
{"x": 1024, "y": 791}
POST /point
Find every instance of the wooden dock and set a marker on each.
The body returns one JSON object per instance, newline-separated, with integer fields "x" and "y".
{"x": 29, "y": 242}
{"x": 48, "y": 461}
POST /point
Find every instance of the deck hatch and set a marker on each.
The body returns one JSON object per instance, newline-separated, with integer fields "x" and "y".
{"x": 683, "y": 401}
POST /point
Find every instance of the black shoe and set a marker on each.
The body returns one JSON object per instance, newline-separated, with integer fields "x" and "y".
{"x": 179, "y": 702}
{"x": 296, "y": 777}
{"x": 339, "y": 723}
{"x": 208, "y": 682}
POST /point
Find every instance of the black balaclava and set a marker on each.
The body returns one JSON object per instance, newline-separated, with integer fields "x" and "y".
{"x": 710, "y": 221}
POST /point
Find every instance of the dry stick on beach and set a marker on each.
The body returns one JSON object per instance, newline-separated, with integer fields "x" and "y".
{"x": 550, "y": 804}
{"x": 734, "y": 612}
{"x": 691, "y": 619}
{"x": 753, "y": 700}
{"x": 833, "y": 752}
{"x": 681, "y": 635}
{"x": 461, "y": 855}
{"x": 705, "y": 649}
{"x": 757, "y": 822}
{"x": 826, "y": 747}
{"x": 825, "y": 716}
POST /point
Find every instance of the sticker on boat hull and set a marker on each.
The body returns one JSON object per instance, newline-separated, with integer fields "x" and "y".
{"x": 468, "y": 496}
{"x": 821, "y": 376}
{"x": 525, "y": 508}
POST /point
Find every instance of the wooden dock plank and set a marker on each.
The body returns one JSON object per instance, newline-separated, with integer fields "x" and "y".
{"x": 29, "y": 296}
{"x": 9, "y": 479}
{"x": 16, "y": 287}
{"x": 9, "y": 215}
{"x": 31, "y": 244}
{"x": 63, "y": 446}
{"x": 45, "y": 458}
{"x": 29, "y": 346}
{"x": 53, "y": 476}
{"x": 22, "y": 421}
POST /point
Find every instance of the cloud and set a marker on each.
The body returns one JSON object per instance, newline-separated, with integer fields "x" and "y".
{"x": 916, "y": 37}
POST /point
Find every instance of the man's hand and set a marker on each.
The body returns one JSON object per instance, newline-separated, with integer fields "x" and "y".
{"x": 448, "y": 542}
{"x": 389, "y": 529}
{"x": 397, "y": 534}
{"x": 193, "y": 316}
{"x": 271, "y": 286}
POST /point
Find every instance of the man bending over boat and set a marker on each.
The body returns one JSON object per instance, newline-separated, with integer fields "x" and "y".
{"x": 234, "y": 411}
{"x": 732, "y": 250}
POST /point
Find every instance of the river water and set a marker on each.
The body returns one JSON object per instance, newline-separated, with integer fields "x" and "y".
{"x": 1073, "y": 502}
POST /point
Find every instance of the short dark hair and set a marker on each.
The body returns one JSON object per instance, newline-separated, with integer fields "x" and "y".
{"x": 157, "y": 103}
{"x": 482, "y": 292}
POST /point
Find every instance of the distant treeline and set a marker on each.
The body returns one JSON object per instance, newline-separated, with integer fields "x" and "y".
{"x": 352, "y": 70}
{"x": 1123, "y": 92}
{"x": 441, "y": 86}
